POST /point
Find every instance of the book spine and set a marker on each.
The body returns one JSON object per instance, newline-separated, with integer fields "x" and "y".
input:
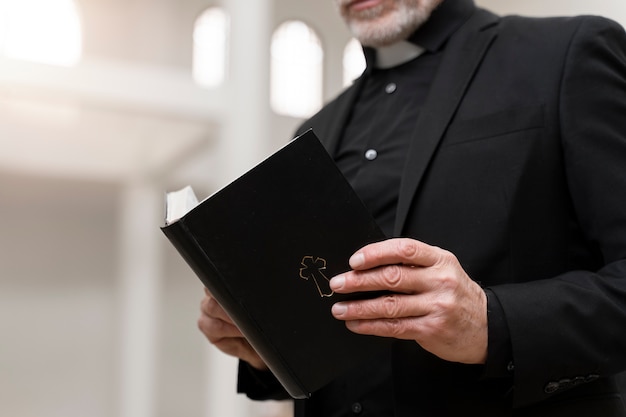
{"x": 191, "y": 251}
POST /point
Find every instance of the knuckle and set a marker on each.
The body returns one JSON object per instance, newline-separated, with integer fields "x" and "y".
{"x": 357, "y": 308}
{"x": 407, "y": 248}
{"x": 205, "y": 326}
{"x": 395, "y": 328}
{"x": 447, "y": 257}
{"x": 201, "y": 324}
{"x": 392, "y": 275}
{"x": 445, "y": 304}
{"x": 204, "y": 304}
{"x": 447, "y": 283}
{"x": 363, "y": 309}
{"x": 213, "y": 329}
{"x": 391, "y": 306}
{"x": 212, "y": 308}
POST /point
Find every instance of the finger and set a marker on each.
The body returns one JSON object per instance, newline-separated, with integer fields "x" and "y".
{"x": 393, "y": 318}
{"x": 216, "y": 330}
{"x": 237, "y": 347}
{"x": 210, "y": 307}
{"x": 395, "y": 251}
{"x": 242, "y": 349}
{"x": 395, "y": 278}
{"x": 400, "y": 328}
{"x": 392, "y": 306}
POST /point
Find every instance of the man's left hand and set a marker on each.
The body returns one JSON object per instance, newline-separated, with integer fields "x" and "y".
{"x": 432, "y": 300}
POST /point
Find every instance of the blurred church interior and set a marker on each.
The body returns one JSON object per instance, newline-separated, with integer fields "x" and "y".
{"x": 104, "y": 106}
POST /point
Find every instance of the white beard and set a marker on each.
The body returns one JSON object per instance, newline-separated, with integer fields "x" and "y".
{"x": 384, "y": 25}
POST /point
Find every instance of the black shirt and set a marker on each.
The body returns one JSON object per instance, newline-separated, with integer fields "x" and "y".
{"x": 374, "y": 146}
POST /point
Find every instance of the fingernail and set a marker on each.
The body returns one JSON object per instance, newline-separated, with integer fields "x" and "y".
{"x": 339, "y": 309}
{"x": 337, "y": 282}
{"x": 357, "y": 260}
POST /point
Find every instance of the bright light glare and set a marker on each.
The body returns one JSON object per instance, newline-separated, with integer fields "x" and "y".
{"x": 210, "y": 46}
{"x": 353, "y": 62}
{"x": 44, "y": 31}
{"x": 296, "y": 73}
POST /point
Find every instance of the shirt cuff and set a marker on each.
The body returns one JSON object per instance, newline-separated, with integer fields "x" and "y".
{"x": 499, "y": 351}
{"x": 259, "y": 385}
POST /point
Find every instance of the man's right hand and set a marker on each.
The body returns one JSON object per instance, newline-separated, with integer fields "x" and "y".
{"x": 222, "y": 332}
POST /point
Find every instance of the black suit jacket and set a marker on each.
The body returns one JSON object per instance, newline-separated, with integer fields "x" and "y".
{"x": 518, "y": 167}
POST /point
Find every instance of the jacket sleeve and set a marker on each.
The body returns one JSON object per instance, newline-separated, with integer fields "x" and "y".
{"x": 568, "y": 330}
{"x": 259, "y": 385}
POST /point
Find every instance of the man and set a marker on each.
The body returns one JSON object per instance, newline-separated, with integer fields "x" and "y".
{"x": 493, "y": 150}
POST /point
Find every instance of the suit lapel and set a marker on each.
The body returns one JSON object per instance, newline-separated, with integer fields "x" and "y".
{"x": 460, "y": 61}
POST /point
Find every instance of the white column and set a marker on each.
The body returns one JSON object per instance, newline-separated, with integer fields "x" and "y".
{"x": 139, "y": 285}
{"x": 221, "y": 399}
{"x": 246, "y": 129}
{"x": 243, "y": 142}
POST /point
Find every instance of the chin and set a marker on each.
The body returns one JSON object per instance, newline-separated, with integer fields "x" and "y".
{"x": 376, "y": 36}
{"x": 382, "y": 26}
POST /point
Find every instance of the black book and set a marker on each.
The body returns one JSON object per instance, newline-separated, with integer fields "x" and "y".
{"x": 266, "y": 246}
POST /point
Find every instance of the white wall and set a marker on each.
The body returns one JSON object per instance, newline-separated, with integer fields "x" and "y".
{"x": 57, "y": 329}
{"x": 614, "y": 9}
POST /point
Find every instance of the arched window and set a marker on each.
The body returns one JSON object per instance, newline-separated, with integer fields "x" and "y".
{"x": 296, "y": 70}
{"x": 210, "y": 47}
{"x": 3, "y": 25}
{"x": 353, "y": 61}
{"x": 44, "y": 31}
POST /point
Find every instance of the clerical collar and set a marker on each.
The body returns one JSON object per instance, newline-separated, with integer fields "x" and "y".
{"x": 431, "y": 37}
{"x": 396, "y": 54}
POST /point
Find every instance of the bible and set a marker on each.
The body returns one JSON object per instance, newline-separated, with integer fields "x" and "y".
{"x": 266, "y": 246}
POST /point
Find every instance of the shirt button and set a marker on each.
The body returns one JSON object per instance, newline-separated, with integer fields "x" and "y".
{"x": 356, "y": 408}
{"x": 390, "y": 88}
{"x": 551, "y": 387}
{"x": 371, "y": 154}
{"x": 510, "y": 367}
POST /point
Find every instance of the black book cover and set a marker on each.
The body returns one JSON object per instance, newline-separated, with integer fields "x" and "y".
{"x": 267, "y": 244}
